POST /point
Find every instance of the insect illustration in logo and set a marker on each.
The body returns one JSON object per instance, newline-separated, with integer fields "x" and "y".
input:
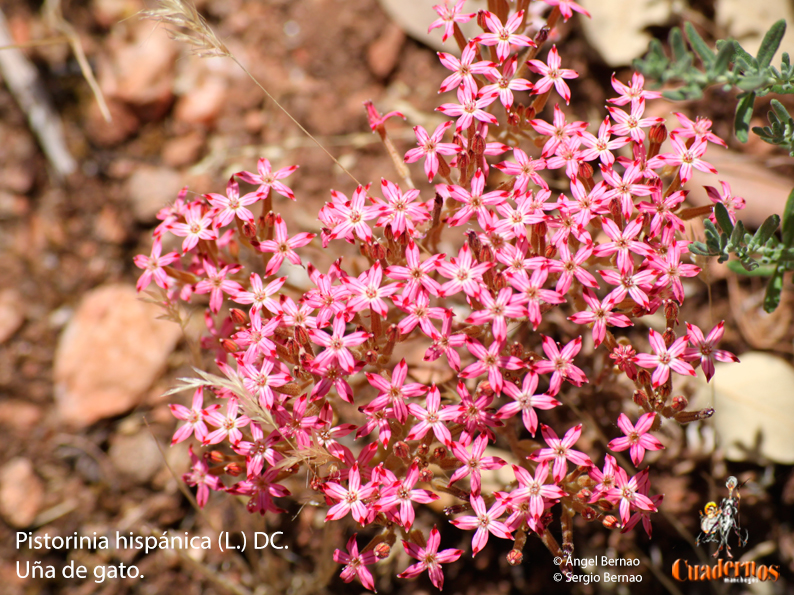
{"x": 717, "y": 523}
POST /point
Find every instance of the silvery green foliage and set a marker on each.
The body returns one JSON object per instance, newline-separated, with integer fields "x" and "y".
{"x": 762, "y": 253}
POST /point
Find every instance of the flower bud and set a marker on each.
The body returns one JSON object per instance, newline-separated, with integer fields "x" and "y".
{"x": 517, "y": 350}
{"x": 215, "y": 456}
{"x": 249, "y": 230}
{"x": 610, "y": 522}
{"x": 478, "y": 146}
{"x": 486, "y": 254}
{"x": 589, "y": 513}
{"x": 229, "y": 346}
{"x": 456, "y": 509}
{"x": 371, "y": 357}
{"x": 270, "y": 219}
{"x": 377, "y": 251}
{"x": 639, "y": 398}
{"x": 515, "y": 557}
{"x": 393, "y": 334}
{"x": 680, "y": 403}
{"x": 685, "y": 417}
{"x": 586, "y": 171}
{"x": 644, "y": 377}
{"x": 668, "y": 336}
{"x": 439, "y": 453}
{"x": 513, "y": 119}
{"x": 301, "y": 335}
{"x": 401, "y": 450}
{"x": 671, "y": 311}
{"x": 542, "y": 35}
{"x": 426, "y": 474}
{"x": 382, "y": 550}
{"x": 233, "y": 469}
{"x": 238, "y": 316}
{"x": 658, "y": 133}
{"x": 422, "y": 449}
{"x": 584, "y": 495}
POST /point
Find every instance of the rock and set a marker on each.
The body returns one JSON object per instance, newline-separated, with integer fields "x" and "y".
{"x": 383, "y": 53}
{"x": 19, "y": 415}
{"x": 109, "y": 134}
{"x": 748, "y": 27}
{"x": 111, "y": 351}
{"x": 753, "y": 411}
{"x": 617, "y": 28}
{"x": 21, "y": 493}
{"x": 203, "y": 103}
{"x": 151, "y": 188}
{"x": 183, "y": 150}
{"x": 415, "y": 16}
{"x": 12, "y": 313}
{"x": 136, "y": 455}
{"x": 140, "y": 68}
{"x": 109, "y": 12}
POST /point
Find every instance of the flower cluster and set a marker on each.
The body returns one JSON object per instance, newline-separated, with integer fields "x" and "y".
{"x": 470, "y": 273}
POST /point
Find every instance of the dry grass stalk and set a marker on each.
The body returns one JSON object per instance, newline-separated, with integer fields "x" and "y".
{"x": 185, "y": 24}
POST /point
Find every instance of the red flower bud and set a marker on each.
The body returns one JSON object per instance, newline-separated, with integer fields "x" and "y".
{"x": 401, "y": 450}
{"x": 238, "y": 316}
{"x": 382, "y": 550}
{"x": 233, "y": 469}
{"x": 610, "y": 522}
{"x": 515, "y": 557}
{"x": 680, "y": 403}
{"x": 658, "y": 133}
{"x": 229, "y": 346}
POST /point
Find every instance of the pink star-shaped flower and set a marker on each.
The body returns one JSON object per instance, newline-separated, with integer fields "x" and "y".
{"x": 430, "y": 147}
{"x": 430, "y": 559}
{"x": 665, "y": 358}
{"x": 636, "y": 437}
{"x": 485, "y": 523}
{"x": 560, "y": 451}
{"x": 356, "y": 564}
{"x": 268, "y": 179}
{"x": 448, "y": 16}
{"x": 703, "y": 348}
{"x": 553, "y": 75}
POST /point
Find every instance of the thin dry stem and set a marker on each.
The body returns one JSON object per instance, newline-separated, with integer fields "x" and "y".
{"x": 52, "y": 10}
{"x": 185, "y": 24}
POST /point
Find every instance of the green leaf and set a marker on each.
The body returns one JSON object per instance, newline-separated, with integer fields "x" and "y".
{"x": 738, "y": 233}
{"x": 779, "y": 110}
{"x": 678, "y": 45}
{"x": 771, "y": 43}
{"x": 741, "y": 54}
{"x": 773, "y": 290}
{"x": 723, "y": 58}
{"x": 764, "y": 232}
{"x": 699, "y": 248}
{"x": 701, "y": 47}
{"x": 751, "y": 82}
{"x": 723, "y": 218}
{"x": 761, "y": 271}
{"x": 744, "y": 112}
{"x": 788, "y": 222}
